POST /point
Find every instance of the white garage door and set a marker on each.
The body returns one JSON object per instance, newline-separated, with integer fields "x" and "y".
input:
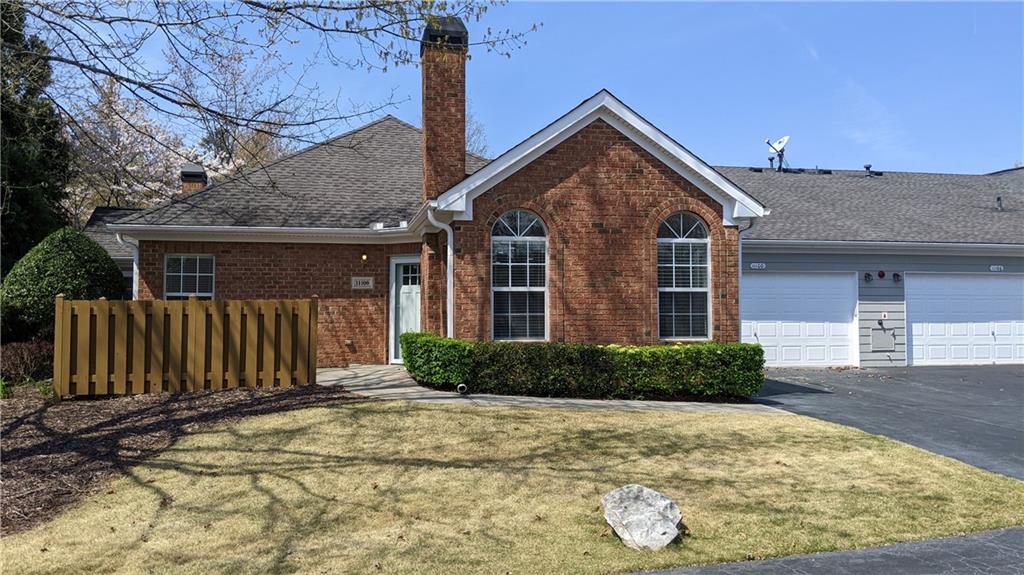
{"x": 958, "y": 319}
{"x": 800, "y": 318}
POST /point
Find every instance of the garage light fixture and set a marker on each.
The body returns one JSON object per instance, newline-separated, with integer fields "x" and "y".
{"x": 897, "y": 277}
{"x": 868, "y": 277}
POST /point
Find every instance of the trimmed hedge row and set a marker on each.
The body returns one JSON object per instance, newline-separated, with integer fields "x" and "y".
{"x": 585, "y": 370}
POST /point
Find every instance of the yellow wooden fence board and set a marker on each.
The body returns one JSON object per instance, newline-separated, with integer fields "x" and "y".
{"x": 176, "y": 317}
{"x": 198, "y": 350}
{"x": 284, "y": 344}
{"x": 58, "y": 345}
{"x": 267, "y": 340}
{"x": 234, "y": 337}
{"x": 102, "y": 345}
{"x": 302, "y": 342}
{"x": 138, "y": 335}
{"x": 252, "y": 342}
{"x": 314, "y": 325}
{"x": 121, "y": 327}
{"x": 156, "y": 346}
{"x": 216, "y": 345}
{"x": 82, "y": 314}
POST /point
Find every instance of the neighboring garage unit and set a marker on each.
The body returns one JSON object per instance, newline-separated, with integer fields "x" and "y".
{"x": 958, "y": 319}
{"x": 938, "y": 261}
{"x": 801, "y": 318}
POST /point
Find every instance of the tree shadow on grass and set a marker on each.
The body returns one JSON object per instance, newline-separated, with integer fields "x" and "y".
{"x": 314, "y": 477}
{"x": 54, "y": 453}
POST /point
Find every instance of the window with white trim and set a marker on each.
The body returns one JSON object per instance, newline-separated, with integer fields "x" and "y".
{"x": 186, "y": 275}
{"x": 519, "y": 246}
{"x": 683, "y": 280}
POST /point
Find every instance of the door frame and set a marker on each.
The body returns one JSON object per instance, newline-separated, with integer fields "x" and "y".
{"x": 396, "y": 261}
{"x": 854, "y": 338}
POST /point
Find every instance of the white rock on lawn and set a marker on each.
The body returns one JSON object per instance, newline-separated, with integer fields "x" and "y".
{"x": 642, "y": 517}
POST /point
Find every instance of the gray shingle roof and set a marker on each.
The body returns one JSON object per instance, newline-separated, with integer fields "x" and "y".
{"x": 371, "y": 174}
{"x": 374, "y": 174}
{"x": 96, "y": 228}
{"x": 848, "y": 205}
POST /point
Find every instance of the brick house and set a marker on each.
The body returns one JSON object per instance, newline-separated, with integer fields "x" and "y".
{"x": 598, "y": 228}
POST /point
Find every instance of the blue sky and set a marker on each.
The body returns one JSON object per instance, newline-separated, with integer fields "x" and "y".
{"x": 919, "y": 87}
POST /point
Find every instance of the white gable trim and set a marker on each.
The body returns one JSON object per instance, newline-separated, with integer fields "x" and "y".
{"x": 604, "y": 106}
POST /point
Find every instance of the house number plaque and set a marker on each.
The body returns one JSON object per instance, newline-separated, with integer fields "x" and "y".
{"x": 362, "y": 283}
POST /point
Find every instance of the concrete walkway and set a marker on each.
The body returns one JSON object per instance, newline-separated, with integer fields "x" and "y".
{"x": 393, "y": 382}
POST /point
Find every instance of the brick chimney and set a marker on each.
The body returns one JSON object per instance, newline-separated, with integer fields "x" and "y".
{"x": 193, "y": 178}
{"x": 443, "y": 54}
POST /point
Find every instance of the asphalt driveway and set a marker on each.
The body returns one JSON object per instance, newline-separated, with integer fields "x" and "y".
{"x": 974, "y": 414}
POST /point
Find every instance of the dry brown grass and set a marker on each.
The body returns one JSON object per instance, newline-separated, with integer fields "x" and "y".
{"x": 405, "y": 488}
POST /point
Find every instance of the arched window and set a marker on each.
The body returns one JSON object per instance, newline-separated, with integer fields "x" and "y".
{"x": 683, "y": 279}
{"x": 519, "y": 248}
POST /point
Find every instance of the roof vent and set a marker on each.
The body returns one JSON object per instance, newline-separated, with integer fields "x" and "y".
{"x": 870, "y": 174}
{"x": 758, "y": 170}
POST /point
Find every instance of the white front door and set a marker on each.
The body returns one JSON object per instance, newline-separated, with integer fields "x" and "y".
{"x": 800, "y": 318}
{"x": 959, "y": 319}
{"x": 405, "y": 301}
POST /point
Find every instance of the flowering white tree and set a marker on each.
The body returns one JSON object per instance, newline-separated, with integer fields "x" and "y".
{"x": 122, "y": 156}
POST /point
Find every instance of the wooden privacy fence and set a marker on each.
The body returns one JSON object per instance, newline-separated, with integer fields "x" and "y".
{"x": 126, "y": 347}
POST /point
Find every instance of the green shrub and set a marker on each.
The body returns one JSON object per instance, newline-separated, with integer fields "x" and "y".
{"x": 584, "y": 370}
{"x": 438, "y": 362}
{"x": 543, "y": 370}
{"x": 65, "y": 262}
{"x": 5, "y": 390}
{"x": 724, "y": 368}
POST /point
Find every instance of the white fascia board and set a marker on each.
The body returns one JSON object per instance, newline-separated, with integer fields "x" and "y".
{"x": 607, "y": 107}
{"x": 278, "y": 234}
{"x": 911, "y": 248}
{"x": 267, "y": 234}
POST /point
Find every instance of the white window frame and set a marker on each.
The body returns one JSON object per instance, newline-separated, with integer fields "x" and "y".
{"x": 185, "y": 295}
{"x": 547, "y": 261}
{"x": 706, "y": 241}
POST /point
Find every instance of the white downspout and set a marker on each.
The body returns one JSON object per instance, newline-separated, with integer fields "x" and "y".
{"x": 450, "y": 276}
{"x": 134, "y": 247}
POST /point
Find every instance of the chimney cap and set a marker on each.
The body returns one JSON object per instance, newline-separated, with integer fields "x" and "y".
{"x": 445, "y": 32}
{"x": 193, "y": 172}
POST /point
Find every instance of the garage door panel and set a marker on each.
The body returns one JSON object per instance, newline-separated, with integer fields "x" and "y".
{"x": 800, "y": 319}
{"x": 965, "y": 318}
{"x": 817, "y": 330}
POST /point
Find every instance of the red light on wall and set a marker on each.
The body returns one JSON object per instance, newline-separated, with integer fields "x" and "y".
{"x": 881, "y": 275}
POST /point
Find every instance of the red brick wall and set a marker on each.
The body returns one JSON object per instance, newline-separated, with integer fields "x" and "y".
{"x": 602, "y": 198}
{"x": 444, "y": 119}
{"x": 276, "y": 270}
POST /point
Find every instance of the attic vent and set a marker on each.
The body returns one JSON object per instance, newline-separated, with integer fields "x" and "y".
{"x": 823, "y": 172}
{"x": 758, "y": 170}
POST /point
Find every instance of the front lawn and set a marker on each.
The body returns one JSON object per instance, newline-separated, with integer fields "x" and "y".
{"x": 408, "y": 488}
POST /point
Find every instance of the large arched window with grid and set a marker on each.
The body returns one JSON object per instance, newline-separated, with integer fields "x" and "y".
{"x": 683, "y": 279}
{"x": 519, "y": 246}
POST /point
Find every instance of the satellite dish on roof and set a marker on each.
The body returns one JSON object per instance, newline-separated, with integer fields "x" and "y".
{"x": 777, "y": 146}
{"x": 777, "y": 149}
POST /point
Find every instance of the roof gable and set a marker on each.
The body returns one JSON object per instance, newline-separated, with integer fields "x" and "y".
{"x": 606, "y": 107}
